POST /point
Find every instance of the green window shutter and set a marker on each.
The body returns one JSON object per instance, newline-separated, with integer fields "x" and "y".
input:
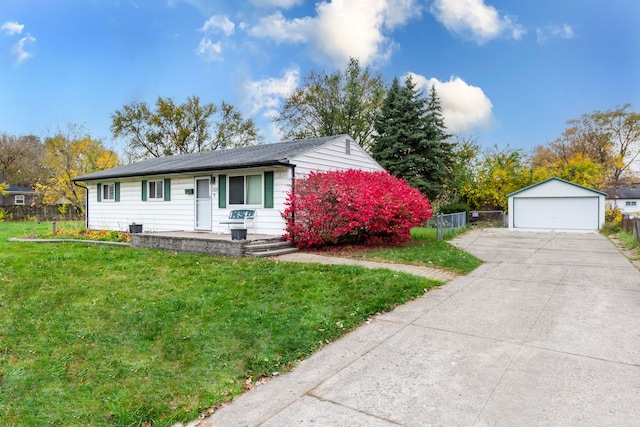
{"x": 144, "y": 191}
{"x": 117, "y": 188}
{"x": 268, "y": 189}
{"x": 167, "y": 190}
{"x": 222, "y": 191}
{"x": 99, "y": 189}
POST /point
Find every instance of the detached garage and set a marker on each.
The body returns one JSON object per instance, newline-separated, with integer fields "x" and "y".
{"x": 556, "y": 204}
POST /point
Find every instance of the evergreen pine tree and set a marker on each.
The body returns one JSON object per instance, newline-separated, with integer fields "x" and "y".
{"x": 411, "y": 138}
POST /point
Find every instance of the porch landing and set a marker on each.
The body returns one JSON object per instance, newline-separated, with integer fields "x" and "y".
{"x": 258, "y": 245}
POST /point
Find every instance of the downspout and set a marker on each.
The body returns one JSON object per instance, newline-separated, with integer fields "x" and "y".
{"x": 293, "y": 193}
{"x": 86, "y": 204}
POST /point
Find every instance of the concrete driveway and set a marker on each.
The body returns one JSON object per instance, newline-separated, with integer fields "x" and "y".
{"x": 546, "y": 332}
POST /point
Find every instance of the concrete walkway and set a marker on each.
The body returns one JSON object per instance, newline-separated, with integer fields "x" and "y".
{"x": 428, "y": 272}
{"x": 547, "y": 332}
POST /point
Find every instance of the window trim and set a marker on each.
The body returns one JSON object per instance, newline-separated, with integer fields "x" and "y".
{"x": 16, "y": 202}
{"x": 630, "y": 203}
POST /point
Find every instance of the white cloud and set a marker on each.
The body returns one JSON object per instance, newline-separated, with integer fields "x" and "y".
{"x": 284, "y": 4}
{"x": 276, "y": 27}
{"x": 342, "y": 29}
{"x": 563, "y": 31}
{"x": 464, "y": 107}
{"x": 18, "y": 49}
{"x": 217, "y": 24}
{"x": 11, "y": 28}
{"x": 209, "y": 50}
{"x": 475, "y": 20}
{"x": 267, "y": 94}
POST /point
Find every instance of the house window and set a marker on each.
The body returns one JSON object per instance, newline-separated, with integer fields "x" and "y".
{"x": 245, "y": 190}
{"x": 156, "y": 190}
{"x": 109, "y": 192}
{"x": 19, "y": 199}
{"x": 630, "y": 203}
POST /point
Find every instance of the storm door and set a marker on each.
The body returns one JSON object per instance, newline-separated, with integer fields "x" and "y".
{"x": 203, "y": 204}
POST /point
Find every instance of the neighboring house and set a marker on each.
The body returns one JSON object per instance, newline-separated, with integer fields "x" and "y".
{"x": 18, "y": 196}
{"x": 556, "y": 204}
{"x": 195, "y": 192}
{"x": 627, "y": 198}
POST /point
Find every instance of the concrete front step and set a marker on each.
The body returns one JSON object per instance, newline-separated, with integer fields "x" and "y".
{"x": 275, "y": 252}
{"x": 265, "y": 248}
{"x": 262, "y": 245}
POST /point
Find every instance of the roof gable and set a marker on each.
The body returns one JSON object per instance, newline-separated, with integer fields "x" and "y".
{"x": 558, "y": 180}
{"x": 231, "y": 158}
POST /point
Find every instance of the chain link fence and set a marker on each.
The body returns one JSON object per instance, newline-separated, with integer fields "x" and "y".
{"x": 447, "y": 224}
{"x": 496, "y": 219}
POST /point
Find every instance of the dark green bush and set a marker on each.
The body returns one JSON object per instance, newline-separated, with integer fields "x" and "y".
{"x": 454, "y": 207}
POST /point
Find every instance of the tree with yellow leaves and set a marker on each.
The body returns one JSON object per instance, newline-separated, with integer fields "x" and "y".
{"x": 68, "y": 155}
{"x": 498, "y": 172}
{"x": 596, "y": 150}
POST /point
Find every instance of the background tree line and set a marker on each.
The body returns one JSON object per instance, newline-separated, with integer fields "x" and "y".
{"x": 399, "y": 125}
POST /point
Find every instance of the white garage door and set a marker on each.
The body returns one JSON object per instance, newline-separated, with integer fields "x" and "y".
{"x": 568, "y": 213}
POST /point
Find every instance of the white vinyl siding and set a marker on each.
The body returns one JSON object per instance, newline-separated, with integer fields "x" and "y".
{"x": 177, "y": 214}
{"x": 335, "y": 155}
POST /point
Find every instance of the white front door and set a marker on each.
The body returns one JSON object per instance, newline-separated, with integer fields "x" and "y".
{"x": 203, "y": 204}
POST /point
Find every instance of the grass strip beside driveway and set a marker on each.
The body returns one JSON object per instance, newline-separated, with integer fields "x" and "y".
{"x": 101, "y": 335}
{"x": 424, "y": 249}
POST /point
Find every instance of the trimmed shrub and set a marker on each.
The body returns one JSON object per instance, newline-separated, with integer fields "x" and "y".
{"x": 455, "y": 207}
{"x": 352, "y": 206}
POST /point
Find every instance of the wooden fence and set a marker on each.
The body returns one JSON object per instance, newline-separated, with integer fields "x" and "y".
{"x": 631, "y": 224}
{"x": 39, "y": 213}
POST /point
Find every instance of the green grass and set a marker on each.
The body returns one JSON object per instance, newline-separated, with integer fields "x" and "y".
{"x": 627, "y": 240}
{"x": 101, "y": 335}
{"x": 424, "y": 249}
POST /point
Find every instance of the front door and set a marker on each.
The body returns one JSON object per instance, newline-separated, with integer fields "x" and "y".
{"x": 203, "y": 204}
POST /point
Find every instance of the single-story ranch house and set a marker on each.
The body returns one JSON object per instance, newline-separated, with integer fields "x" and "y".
{"x": 17, "y": 195}
{"x": 196, "y": 192}
{"x": 627, "y": 198}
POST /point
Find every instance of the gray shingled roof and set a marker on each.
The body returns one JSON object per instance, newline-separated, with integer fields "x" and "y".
{"x": 626, "y": 192}
{"x": 231, "y": 158}
{"x": 20, "y": 189}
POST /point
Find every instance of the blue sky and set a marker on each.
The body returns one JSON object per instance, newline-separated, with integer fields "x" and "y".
{"x": 509, "y": 73}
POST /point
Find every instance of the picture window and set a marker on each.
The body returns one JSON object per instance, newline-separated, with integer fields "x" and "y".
{"x": 245, "y": 190}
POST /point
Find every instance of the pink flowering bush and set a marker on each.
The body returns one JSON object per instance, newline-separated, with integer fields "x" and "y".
{"x": 352, "y": 206}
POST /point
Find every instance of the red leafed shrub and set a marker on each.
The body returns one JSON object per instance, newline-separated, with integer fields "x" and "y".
{"x": 352, "y": 206}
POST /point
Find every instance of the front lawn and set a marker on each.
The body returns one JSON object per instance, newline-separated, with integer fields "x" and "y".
{"x": 102, "y": 335}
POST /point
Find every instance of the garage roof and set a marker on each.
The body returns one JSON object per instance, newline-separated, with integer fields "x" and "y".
{"x": 557, "y": 179}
